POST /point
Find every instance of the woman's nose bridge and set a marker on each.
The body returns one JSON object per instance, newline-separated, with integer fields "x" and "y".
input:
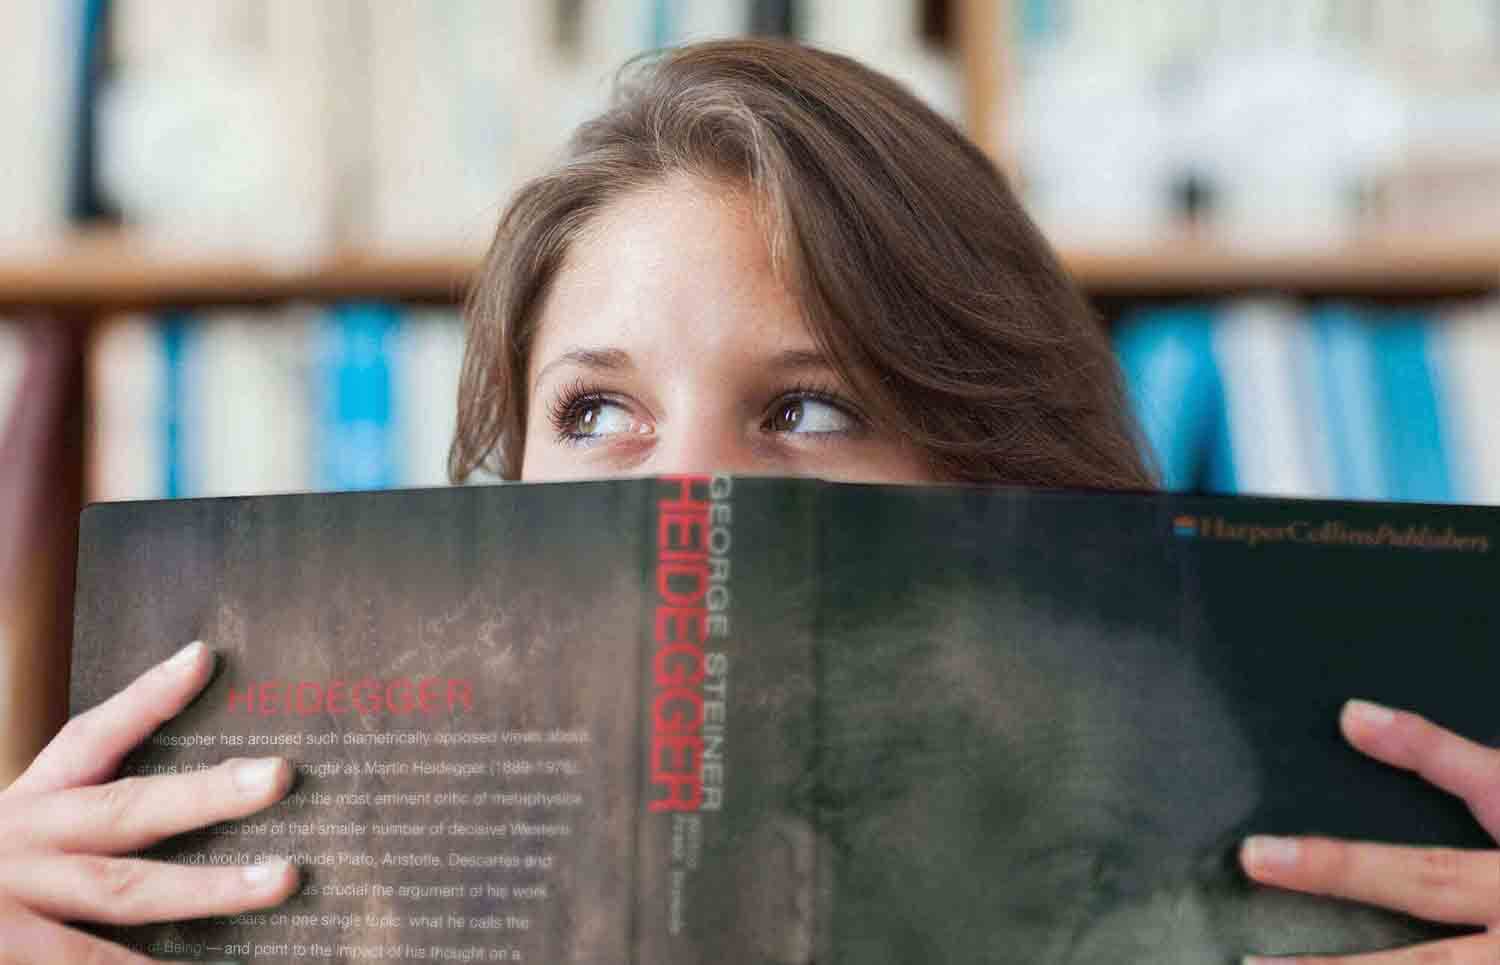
{"x": 704, "y": 444}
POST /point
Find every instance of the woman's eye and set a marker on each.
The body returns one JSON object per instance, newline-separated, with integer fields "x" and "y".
{"x": 809, "y": 417}
{"x": 596, "y": 417}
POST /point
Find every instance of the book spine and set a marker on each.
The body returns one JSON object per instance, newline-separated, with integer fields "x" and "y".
{"x": 1167, "y": 358}
{"x": 886, "y": 34}
{"x": 1350, "y": 410}
{"x": 1467, "y": 349}
{"x": 12, "y": 364}
{"x": 248, "y": 407}
{"x": 426, "y": 366}
{"x": 727, "y": 699}
{"x": 705, "y": 19}
{"x": 1263, "y": 351}
{"x": 448, "y": 134}
{"x": 84, "y": 201}
{"x": 34, "y": 117}
{"x": 774, "y": 18}
{"x": 354, "y": 397}
{"x": 308, "y": 54}
{"x": 1416, "y": 461}
{"x": 127, "y": 391}
{"x": 176, "y": 468}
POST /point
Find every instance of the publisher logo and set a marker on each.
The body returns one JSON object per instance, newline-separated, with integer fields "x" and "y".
{"x": 1329, "y": 532}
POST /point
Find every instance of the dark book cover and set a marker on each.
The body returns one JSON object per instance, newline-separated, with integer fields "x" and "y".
{"x": 684, "y": 720}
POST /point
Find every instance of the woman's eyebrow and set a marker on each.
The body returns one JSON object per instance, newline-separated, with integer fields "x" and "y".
{"x": 599, "y": 359}
{"x": 799, "y": 358}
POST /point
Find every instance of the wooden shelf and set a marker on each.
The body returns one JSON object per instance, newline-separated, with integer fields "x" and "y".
{"x": 94, "y": 273}
{"x": 111, "y": 272}
{"x": 1384, "y": 267}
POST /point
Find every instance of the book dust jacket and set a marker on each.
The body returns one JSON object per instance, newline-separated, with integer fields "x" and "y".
{"x": 732, "y": 720}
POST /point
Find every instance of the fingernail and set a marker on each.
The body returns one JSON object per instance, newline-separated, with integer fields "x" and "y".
{"x": 257, "y": 776}
{"x": 185, "y": 657}
{"x": 266, "y": 871}
{"x": 1264, "y": 851}
{"x": 1368, "y": 714}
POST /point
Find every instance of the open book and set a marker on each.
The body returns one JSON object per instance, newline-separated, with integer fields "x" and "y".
{"x": 683, "y": 720}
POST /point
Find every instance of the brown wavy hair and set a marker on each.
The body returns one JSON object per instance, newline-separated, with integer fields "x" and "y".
{"x": 918, "y": 273}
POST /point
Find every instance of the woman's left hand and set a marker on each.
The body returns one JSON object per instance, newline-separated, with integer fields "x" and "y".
{"x": 1438, "y": 884}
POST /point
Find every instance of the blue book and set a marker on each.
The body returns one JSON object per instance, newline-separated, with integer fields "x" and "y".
{"x": 1167, "y": 358}
{"x": 1414, "y": 455}
{"x": 1350, "y": 401}
{"x": 176, "y": 473}
{"x": 353, "y": 437}
{"x": 85, "y": 202}
{"x": 1220, "y": 473}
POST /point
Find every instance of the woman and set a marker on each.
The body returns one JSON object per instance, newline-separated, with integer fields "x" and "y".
{"x": 763, "y": 259}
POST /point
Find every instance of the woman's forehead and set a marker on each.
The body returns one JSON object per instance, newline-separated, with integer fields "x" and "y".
{"x": 680, "y": 266}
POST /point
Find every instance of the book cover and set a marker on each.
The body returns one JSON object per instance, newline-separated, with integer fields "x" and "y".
{"x": 681, "y": 720}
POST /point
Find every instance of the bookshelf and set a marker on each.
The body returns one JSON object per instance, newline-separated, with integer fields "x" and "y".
{"x": 76, "y": 282}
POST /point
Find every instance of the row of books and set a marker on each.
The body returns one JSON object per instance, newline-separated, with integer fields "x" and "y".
{"x": 1335, "y": 400}
{"x": 287, "y": 129}
{"x": 1251, "y": 396}
{"x": 353, "y": 396}
{"x": 1286, "y": 123}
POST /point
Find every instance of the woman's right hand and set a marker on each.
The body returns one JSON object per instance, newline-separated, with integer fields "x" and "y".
{"x": 64, "y": 826}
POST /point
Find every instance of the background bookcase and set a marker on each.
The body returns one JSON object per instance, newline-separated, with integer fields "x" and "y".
{"x": 62, "y": 290}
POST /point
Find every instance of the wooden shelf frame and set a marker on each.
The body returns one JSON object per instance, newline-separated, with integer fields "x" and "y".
{"x": 96, "y": 275}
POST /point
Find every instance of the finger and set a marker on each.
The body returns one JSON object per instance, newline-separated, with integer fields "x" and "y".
{"x": 1406, "y": 740}
{"x": 133, "y": 891}
{"x": 27, "y": 938}
{"x": 89, "y": 747}
{"x": 1482, "y": 949}
{"x": 1438, "y": 884}
{"x": 134, "y": 813}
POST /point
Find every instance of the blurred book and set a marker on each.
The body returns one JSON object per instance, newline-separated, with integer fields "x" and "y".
{"x": 1174, "y": 385}
{"x": 429, "y": 353}
{"x": 37, "y": 96}
{"x": 1467, "y": 353}
{"x": 887, "y": 35}
{"x": 1415, "y": 458}
{"x": 1350, "y": 413}
{"x": 12, "y": 365}
{"x": 459, "y": 102}
{"x": 1271, "y": 442}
